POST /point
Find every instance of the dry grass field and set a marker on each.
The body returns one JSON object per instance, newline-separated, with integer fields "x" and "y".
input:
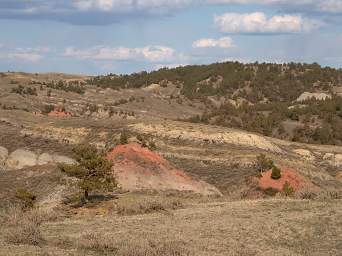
{"x": 260, "y": 227}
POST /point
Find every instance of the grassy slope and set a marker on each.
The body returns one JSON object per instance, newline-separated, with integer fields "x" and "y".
{"x": 275, "y": 227}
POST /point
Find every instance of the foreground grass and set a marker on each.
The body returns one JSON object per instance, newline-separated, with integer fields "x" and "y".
{"x": 267, "y": 227}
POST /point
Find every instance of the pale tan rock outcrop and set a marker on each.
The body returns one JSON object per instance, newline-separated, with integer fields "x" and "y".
{"x": 305, "y": 154}
{"x": 44, "y": 158}
{"x": 21, "y": 158}
{"x": 207, "y": 134}
{"x": 318, "y": 96}
{"x": 333, "y": 159}
{"x": 63, "y": 159}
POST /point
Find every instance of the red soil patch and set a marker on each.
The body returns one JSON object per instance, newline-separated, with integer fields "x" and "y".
{"x": 137, "y": 168}
{"x": 59, "y": 113}
{"x": 294, "y": 179}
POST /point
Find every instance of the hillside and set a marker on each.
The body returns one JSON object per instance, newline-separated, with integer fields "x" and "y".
{"x": 299, "y": 102}
{"x": 189, "y": 182}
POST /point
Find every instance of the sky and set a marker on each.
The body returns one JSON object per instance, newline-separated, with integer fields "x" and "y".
{"x": 124, "y": 36}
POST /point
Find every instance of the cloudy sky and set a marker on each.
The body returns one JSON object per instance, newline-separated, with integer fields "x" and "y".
{"x": 124, "y": 36}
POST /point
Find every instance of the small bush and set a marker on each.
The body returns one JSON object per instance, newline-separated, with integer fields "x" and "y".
{"x": 96, "y": 242}
{"x": 123, "y": 138}
{"x": 152, "y": 146}
{"x": 306, "y": 193}
{"x": 263, "y": 163}
{"x": 26, "y": 197}
{"x": 276, "y": 173}
{"x": 271, "y": 191}
{"x": 288, "y": 190}
{"x": 146, "y": 206}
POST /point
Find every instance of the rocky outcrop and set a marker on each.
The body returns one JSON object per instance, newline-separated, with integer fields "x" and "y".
{"x": 137, "y": 168}
{"x": 22, "y": 158}
{"x": 333, "y": 159}
{"x": 63, "y": 159}
{"x": 44, "y": 158}
{"x": 305, "y": 154}
{"x": 318, "y": 96}
{"x": 207, "y": 134}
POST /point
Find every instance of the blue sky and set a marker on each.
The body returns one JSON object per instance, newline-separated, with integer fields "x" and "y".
{"x": 124, "y": 36}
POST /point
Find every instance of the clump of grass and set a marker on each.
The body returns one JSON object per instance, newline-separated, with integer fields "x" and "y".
{"x": 131, "y": 246}
{"x": 306, "y": 193}
{"x": 143, "y": 247}
{"x": 288, "y": 190}
{"x": 23, "y": 227}
{"x": 323, "y": 195}
{"x": 145, "y": 206}
{"x": 26, "y": 197}
{"x": 96, "y": 242}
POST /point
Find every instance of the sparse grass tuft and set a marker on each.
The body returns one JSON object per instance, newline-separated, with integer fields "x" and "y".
{"x": 144, "y": 247}
{"x": 146, "y": 205}
{"x": 96, "y": 242}
{"x": 132, "y": 246}
{"x": 288, "y": 190}
{"x": 26, "y": 197}
{"x": 23, "y": 227}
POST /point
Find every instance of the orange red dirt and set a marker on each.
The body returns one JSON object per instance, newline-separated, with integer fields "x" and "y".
{"x": 138, "y": 168}
{"x": 293, "y": 178}
{"x": 59, "y": 113}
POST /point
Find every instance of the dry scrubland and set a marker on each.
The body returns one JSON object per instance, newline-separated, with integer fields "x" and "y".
{"x": 244, "y": 221}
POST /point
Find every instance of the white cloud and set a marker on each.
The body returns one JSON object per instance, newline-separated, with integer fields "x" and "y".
{"x": 224, "y": 42}
{"x": 23, "y": 54}
{"x": 332, "y": 6}
{"x": 258, "y": 22}
{"x": 154, "y": 54}
{"x": 128, "y": 5}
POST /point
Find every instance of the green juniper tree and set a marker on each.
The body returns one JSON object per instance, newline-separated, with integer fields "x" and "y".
{"x": 94, "y": 171}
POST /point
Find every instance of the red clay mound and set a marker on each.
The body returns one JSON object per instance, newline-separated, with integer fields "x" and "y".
{"x": 137, "y": 168}
{"x": 59, "y": 113}
{"x": 294, "y": 179}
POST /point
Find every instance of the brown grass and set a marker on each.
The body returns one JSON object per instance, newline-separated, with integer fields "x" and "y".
{"x": 147, "y": 205}
{"x": 131, "y": 246}
{"x": 23, "y": 227}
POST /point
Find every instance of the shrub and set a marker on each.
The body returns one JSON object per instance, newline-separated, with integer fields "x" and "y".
{"x": 146, "y": 206}
{"x": 152, "y": 146}
{"x": 26, "y": 197}
{"x": 263, "y": 163}
{"x": 48, "y": 108}
{"x": 22, "y": 90}
{"x": 276, "y": 173}
{"x": 306, "y": 193}
{"x": 96, "y": 242}
{"x": 93, "y": 170}
{"x": 288, "y": 190}
{"x": 123, "y": 138}
{"x": 271, "y": 191}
